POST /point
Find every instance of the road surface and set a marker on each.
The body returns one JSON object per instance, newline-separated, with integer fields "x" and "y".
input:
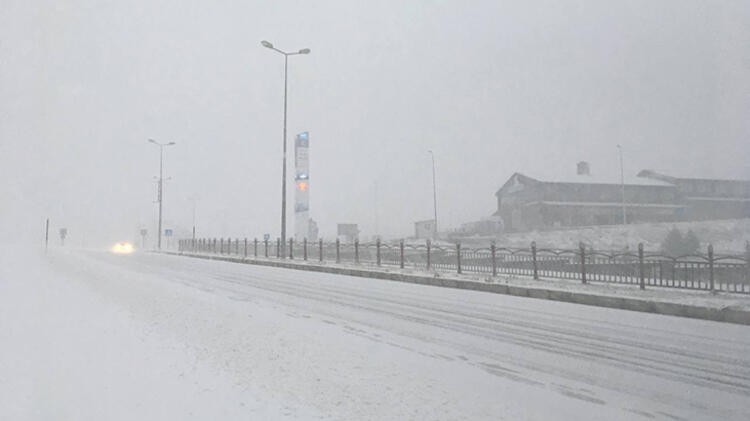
{"x": 290, "y": 344}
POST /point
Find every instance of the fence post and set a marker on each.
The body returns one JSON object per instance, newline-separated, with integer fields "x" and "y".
{"x": 255, "y": 247}
{"x": 458, "y": 257}
{"x": 429, "y": 248}
{"x": 640, "y": 266}
{"x": 493, "y": 250}
{"x": 278, "y": 247}
{"x": 582, "y": 247}
{"x": 338, "y": 256}
{"x": 320, "y": 249}
{"x": 747, "y": 263}
{"x": 304, "y": 248}
{"x": 356, "y": 251}
{"x": 377, "y": 250}
{"x": 237, "y": 246}
{"x": 265, "y": 241}
{"x": 291, "y": 249}
{"x": 534, "y": 261}
{"x": 711, "y": 267}
{"x": 245, "y": 252}
{"x": 401, "y": 247}
{"x": 221, "y": 245}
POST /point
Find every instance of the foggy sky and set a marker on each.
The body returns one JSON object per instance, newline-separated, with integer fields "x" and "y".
{"x": 491, "y": 87}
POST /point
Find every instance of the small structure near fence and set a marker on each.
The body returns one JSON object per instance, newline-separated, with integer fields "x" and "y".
{"x": 709, "y": 271}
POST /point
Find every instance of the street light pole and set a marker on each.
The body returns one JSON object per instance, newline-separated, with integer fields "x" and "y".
{"x": 283, "y": 164}
{"x": 434, "y": 193}
{"x": 622, "y": 185}
{"x": 161, "y": 182}
{"x": 193, "y": 199}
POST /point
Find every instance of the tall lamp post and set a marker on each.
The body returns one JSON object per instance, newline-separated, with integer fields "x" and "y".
{"x": 622, "y": 185}
{"x": 193, "y": 199}
{"x": 283, "y": 165}
{"x": 434, "y": 192}
{"x": 161, "y": 182}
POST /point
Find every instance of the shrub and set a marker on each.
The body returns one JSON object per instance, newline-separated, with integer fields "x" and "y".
{"x": 675, "y": 244}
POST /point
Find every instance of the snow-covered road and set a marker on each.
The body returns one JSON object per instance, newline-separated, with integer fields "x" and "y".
{"x": 194, "y": 337}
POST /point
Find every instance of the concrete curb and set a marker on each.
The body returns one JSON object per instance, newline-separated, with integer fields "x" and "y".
{"x": 728, "y": 315}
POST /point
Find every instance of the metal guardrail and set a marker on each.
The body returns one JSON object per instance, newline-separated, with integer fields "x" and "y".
{"x": 709, "y": 272}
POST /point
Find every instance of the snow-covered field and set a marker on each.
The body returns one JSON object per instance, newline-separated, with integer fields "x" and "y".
{"x": 86, "y": 335}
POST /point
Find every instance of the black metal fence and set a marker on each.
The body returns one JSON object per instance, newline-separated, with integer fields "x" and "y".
{"x": 709, "y": 272}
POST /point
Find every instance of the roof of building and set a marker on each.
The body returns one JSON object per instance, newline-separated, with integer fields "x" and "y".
{"x": 596, "y": 179}
{"x": 605, "y": 204}
{"x": 683, "y": 176}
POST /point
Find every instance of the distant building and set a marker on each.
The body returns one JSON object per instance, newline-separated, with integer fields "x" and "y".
{"x": 485, "y": 227}
{"x": 526, "y": 203}
{"x": 347, "y": 233}
{"x": 709, "y": 198}
{"x": 312, "y": 230}
{"x": 425, "y": 229}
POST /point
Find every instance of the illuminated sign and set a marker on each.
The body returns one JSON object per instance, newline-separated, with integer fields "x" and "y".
{"x": 302, "y": 181}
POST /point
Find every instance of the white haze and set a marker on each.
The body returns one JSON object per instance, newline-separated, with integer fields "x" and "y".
{"x": 491, "y": 87}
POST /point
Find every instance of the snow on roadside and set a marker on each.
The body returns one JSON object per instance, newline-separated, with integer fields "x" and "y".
{"x": 67, "y": 354}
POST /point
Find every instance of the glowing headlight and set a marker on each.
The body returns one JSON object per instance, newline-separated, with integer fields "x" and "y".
{"x": 122, "y": 248}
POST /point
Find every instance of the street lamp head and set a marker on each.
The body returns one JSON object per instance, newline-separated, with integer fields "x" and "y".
{"x": 304, "y": 51}
{"x": 266, "y": 44}
{"x": 152, "y": 140}
{"x": 170, "y": 143}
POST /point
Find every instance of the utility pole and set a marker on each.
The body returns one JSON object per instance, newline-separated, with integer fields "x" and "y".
{"x": 622, "y": 185}
{"x": 377, "y": 219}
{"x": 434, "y": 193}
{"x": 193, "y": 199}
